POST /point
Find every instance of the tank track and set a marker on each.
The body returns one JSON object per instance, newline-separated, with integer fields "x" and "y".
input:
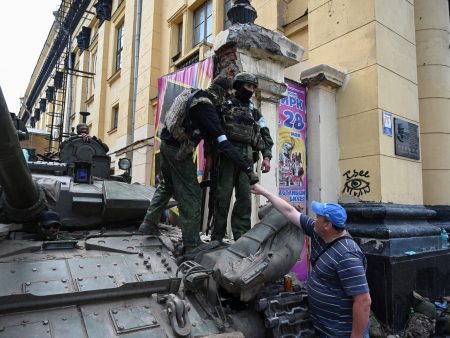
{"x": 286, "y": 314}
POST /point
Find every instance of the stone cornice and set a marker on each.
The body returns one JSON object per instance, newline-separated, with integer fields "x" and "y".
{"x": 261, "y": 42}
{"x": 324, "y": 75}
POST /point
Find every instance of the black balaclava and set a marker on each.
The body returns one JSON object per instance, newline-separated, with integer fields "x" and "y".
{"x": 242, "y": 94}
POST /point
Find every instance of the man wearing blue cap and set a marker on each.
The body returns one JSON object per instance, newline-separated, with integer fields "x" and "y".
{"x": 338, "y": 293}
{"x": 50, "y": 223}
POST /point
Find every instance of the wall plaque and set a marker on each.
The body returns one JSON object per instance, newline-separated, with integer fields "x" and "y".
{"x": 406, "y": 139}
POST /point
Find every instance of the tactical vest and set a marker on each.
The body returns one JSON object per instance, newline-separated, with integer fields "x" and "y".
{"x": 178, "y": 123}
{"x": 240, "y": 125}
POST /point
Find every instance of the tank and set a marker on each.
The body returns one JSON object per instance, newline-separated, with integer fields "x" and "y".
{"x": 98, "y": 277}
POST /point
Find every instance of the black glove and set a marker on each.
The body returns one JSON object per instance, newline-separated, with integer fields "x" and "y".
{"x": 252, "y": 177}
{"x": 234, "y": 156}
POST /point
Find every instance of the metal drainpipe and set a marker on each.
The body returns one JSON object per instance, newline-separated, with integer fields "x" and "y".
{"x": 136, "y": 72}
{"x": 68, "y": 113}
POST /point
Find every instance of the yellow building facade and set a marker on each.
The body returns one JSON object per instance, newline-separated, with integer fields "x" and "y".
{"x": 393, "y": 54}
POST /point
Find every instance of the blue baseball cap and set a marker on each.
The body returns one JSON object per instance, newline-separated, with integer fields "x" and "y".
{"x": 333, "y": 212}
{"x": 48, "y": 217}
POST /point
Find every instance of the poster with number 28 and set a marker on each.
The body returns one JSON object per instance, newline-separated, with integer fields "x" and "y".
{"x": 291, "y": 146}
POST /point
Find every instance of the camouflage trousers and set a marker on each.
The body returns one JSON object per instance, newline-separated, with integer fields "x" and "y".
{"x": 419, "y": 326}
{"x": 231, "y": 177}
{"x": 180, "y": 181}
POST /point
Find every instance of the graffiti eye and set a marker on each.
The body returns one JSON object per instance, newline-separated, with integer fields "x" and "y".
{"x": 357, "y": 183}
{"x": 356, "y": 187}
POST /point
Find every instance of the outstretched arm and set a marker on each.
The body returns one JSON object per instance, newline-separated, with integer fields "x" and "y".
{"x": 288, "y": 211}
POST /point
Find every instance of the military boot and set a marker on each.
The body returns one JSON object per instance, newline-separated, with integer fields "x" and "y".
{"x": 149, "y": 228}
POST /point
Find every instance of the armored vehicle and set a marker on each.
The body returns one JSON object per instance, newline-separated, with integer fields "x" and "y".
{"x": 94, "y": 276}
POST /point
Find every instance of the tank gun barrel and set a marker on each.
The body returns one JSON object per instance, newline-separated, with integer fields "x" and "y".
{"x": 23, "y": 200}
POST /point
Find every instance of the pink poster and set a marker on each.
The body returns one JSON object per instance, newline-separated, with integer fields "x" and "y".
{"x": 292, "y": 159}
{"x": 292, "y": 146}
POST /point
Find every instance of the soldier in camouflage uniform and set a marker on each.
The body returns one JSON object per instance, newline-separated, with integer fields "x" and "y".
{"x": 180, "y": 172}
{"x": 245, "y": 128}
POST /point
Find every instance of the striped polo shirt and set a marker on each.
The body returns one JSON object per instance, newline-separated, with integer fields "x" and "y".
{"x": 338, "y": 275}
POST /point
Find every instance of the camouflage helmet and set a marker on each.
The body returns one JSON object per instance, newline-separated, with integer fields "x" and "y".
{"x": 245, "y": 77}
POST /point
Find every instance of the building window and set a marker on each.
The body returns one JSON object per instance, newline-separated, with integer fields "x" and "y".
{"x": 180, "y": 38}
{"x": 203, "y": 23}
{"x": 92, "y": 68}
{"x": 119, "y": 46}
{"x": 226, "y": 21}
{"x": 115, "y": 117}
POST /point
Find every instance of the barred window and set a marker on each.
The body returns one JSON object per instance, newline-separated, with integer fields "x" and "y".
{"x": 186, "y": 63}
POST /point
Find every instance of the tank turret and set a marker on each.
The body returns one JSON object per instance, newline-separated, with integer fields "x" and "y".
{"x": 22, "y": 199}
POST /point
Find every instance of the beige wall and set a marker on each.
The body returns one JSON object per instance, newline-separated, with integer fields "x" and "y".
{"x": 359, "y": 39}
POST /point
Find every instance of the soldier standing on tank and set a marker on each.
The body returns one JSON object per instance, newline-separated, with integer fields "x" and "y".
{"x": 180, "y": 172}
{"x": 245, "y": 128}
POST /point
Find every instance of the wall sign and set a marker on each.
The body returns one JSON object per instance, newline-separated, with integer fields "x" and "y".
{"x": 387, "y": 123}
{"x": 406, "y": 139}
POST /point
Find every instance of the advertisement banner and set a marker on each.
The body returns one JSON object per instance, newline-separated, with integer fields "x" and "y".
{"x": 292, "y": 146}
{"x": 292, "y": 160}
{"x": 198, "y": 75}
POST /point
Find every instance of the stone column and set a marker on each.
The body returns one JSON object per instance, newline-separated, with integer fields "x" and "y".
{"x": 323, "y": 143}
{"x": 433, "y": 75}
{"x": 149, "y": 69}
{"x": 80, "y": 91}
{"x": 97, "y": 116}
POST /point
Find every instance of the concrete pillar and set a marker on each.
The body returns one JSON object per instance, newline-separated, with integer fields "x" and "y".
{"x": 322, "y": 135}
{"x": 125, "y": 130}
{"x": 433, "y": 75}
{"x": 80, "y": 91}
{"x": 149, "y": 69}
{"x": 97, "y": 117}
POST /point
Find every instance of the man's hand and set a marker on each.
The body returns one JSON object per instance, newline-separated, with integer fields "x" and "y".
{"x": 257, "y": 189}
{"x": 265, "y": 165}
{"x": 86, "y": 138}
{"x": 253, "y": 178}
